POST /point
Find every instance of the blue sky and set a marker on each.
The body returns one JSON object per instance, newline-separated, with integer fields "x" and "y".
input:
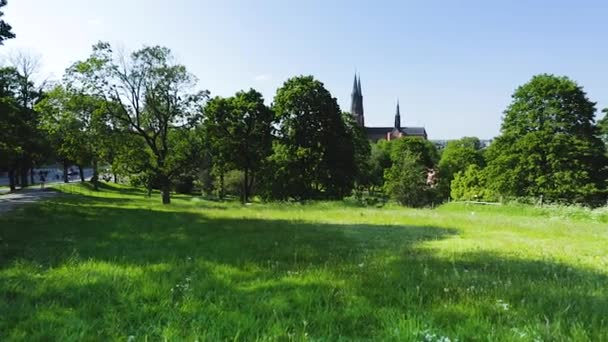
{"x": 452, "y": 64}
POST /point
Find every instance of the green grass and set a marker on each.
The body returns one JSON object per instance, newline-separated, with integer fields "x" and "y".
{"x": 113, "y": 264}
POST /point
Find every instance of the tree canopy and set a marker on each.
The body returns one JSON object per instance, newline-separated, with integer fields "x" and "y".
{"x": 148, "y": 95}
{"x": 457, "y": 156}
{"x": 313, "y": 155}
{"x": 239, "y": 129}
{"x": 549, "y": 144}
{"x": 6, "y": 30}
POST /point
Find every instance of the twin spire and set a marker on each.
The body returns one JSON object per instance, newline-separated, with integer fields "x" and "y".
{"x": 357, "y": 104}
{"x": 357, "y": 86}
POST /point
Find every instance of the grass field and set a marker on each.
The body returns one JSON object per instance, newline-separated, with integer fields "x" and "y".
{"x": 114, "y": 265}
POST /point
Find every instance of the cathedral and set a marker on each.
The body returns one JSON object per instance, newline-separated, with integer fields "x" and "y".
{"x": 381, "y": 133}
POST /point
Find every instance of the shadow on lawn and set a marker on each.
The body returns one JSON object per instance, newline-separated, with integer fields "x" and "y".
{"x": 360, "y": 280}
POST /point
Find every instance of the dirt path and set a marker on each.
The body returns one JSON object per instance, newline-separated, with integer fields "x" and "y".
{"x": 11, "y": 201}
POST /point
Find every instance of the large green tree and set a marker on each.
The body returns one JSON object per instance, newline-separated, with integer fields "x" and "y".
{"x": 457, "y": 156}
{"x": 21, "y": 141}
{"x": 239, "y": 129}
{"x": 313, "y": 155}
{"x": 549, "y": 145}
{"x": 407, "y": 180}
{"x": 151, "y": 98}
{"x": 6, "y": 31}
{"x": 77, "y": 125}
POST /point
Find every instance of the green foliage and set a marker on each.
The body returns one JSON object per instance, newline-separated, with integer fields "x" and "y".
{"x": 233, "y": 182}
{"x": 88, "y": 266}
{"x": 471, "y": 185}
{"x": 549, "y": 145}
{"x": 5, "y": 29}
{"x": 424, "y": 150}
{"x": 457, "y": 156}
{"x": 362, "y": 152}
{"x": 405, "y": 181}
{"x": 239, "y": 130}
{"x": 21, "y": 142}
{"x": 314, "y": 154}
{"x": 380, "y": 160}
{"x": 603, "y": 126}
{"x": 76, "y": 124}
{"x": 147, "y": 94}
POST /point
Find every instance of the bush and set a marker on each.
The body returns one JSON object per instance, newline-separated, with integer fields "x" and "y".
{"x": 233, "y": 183}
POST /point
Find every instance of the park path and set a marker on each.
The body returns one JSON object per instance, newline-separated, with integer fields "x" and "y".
{"x": 25, "y": 196}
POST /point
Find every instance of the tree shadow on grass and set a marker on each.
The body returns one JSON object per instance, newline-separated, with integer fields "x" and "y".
{"x": 108, "y": 272}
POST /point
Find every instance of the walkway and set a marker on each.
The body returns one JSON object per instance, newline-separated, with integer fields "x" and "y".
{"x": 13, "y": 200}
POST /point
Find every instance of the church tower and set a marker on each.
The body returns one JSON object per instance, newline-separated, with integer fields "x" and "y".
{"x": 398, "y": 117}
{"x": 356, "y": 107}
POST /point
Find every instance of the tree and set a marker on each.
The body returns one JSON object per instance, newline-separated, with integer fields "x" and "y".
{"x": 362, "y": 152}
{"x": 470, "y": 185}
{"x": 313, "y": 155}
{"x": 549, "y": 145}
{"x": 150, "y": 97}
{"x": 380, "y": 160}
{"x": 457, "y": 156}
{"x": 424, "y": 150}
{"x": 603, "y": 126}
{"x": 77, "y": 125}
{"x": 5, "y": 29}
{"x": 405, "y": 180}
{"x": 239, "y": 129}
{"x": 22, "y": 143}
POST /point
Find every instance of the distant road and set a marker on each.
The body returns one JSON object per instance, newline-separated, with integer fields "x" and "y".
{"x": 25, "y": 196}
{"x": 55, "y": 176}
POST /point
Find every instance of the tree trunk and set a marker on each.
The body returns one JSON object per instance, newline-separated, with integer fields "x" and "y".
{"x": 115, "y": 178}
{"x": 32, "y": 176}
{"x": 24, "y": 180}
{"x": 221, "y": 194}
{"x": 166, "y": 196}
{"x": 166, "y": 192}
{"x": 66, "y": 179}
{"x": 11, "y": 180}
{"x": 165, "y": 187}
{"x": 245, "y": 196}
{"x": 95, "y": 178}
{"x": 81, "y": 173}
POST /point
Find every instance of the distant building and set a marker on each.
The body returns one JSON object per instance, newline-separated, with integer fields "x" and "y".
{"x": 381, "y": 133}
{"x": 441, "y": 144}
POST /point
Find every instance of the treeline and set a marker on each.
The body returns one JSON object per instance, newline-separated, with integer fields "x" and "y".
{"x": 141, "y": 118}
{"x": 550, "y": 150}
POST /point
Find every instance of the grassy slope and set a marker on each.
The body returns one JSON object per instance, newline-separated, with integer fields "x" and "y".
{"x": 113, "y": 264}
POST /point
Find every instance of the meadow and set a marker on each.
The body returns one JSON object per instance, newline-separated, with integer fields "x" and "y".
{"x": 115, "y": 265}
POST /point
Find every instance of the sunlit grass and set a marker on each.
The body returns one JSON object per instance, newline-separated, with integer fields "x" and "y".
{"x": 112, "y": 264}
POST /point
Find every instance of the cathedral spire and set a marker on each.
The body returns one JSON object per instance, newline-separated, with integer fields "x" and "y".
{"x": 398, "y": 117}
{"x": 356, "y": 108}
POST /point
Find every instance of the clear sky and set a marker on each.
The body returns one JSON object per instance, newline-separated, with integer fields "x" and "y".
{"x": 452, "y": 64}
